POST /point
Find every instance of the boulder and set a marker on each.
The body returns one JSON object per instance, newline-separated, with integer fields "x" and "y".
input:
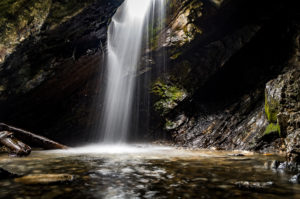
{"x": 4, "y": 174}
{"x": 254, "y": 186}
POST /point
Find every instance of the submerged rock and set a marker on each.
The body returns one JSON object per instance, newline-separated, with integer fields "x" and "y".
{"x": 275, "y": 164}
{"x": 285, "y": 166}
{"x": 237, "y": 155}
{"x": 6, "y": 174}
{"x": 45, "y": 179}
{"x": 295, "y": 179}
{"x": 256, "y": 186}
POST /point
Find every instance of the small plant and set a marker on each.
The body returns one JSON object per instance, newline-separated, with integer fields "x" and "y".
{"x": 272, "y": 128}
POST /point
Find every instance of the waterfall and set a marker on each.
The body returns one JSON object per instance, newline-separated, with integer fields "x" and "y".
{"x": 127, "y": 37}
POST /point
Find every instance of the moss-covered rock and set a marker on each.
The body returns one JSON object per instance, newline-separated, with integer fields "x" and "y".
{"x": 272, "y": 100}
{"x": 282, "y": 108}
{"x": 272, "y": 128}
{"x": 218, "y": 57}
{"x": 168, "y": 96}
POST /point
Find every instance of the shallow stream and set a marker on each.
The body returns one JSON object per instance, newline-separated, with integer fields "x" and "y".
{"x": 147, "y": 171}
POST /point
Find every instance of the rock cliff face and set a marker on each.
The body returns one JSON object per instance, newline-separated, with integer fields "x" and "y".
{"x": 229, "y": 78}
{"x": 282, "y": 108}
{"x": 221, "y": 55}
{"x": 50, "y": 60}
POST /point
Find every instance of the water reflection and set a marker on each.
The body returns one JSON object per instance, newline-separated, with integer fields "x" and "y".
{"x": 149, "y": 172}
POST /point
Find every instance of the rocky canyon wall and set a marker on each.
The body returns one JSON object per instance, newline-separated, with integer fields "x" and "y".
{"x": 224, "y": 73}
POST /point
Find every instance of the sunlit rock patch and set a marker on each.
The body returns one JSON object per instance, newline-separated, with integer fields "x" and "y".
{"x": 20, "y": 19}
{"x": 183, "y": 29}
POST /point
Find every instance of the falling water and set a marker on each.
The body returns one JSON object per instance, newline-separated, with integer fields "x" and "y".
{"x": 127, "y": 37}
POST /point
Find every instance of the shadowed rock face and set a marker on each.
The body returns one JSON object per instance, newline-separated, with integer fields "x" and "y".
{"x": 50, "y": 80}
{"x": 220, "y": 55}
{"x": 223, "y": 70}
{"x": 283, "y": 108}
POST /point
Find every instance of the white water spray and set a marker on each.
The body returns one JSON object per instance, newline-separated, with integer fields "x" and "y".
{"x": 127, "y": 35}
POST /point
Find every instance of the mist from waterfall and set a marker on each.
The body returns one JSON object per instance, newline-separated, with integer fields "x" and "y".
{"x": 128, "y": 36}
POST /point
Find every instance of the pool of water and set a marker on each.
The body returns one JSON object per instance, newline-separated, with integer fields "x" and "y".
{"x": 147, "y": 171}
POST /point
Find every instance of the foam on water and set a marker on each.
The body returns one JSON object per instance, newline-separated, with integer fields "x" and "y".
{"x": 119, "y": 149}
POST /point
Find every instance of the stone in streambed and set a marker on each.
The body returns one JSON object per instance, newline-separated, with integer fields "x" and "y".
{"x": 6, "y": 174}
{"x": 237, "y": 155}
{"x": 246, "y": 185}
{"x": 45, "y": 179}
{"x": 295, "y": 179}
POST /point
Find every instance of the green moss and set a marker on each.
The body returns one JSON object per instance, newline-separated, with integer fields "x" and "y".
{"x": 271, "y": 109}
{"x": 167, "y": 91}
{"x": 169, "y": 125}
{"x": 168, "y": 96}
{"x": 158, "y": 88}
{"x": 272, "y": 128}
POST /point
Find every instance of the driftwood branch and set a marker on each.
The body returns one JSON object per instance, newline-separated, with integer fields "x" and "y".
{"x": 12, "y": 145}
{"x": 31, "y": 138}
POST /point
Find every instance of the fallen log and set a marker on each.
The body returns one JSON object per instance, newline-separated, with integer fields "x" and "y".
{"x": 14, "y": 147}
{"x": 31, "y": 139}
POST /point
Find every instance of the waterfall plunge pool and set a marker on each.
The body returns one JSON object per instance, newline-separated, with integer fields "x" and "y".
{"x": 148, "y": 171}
